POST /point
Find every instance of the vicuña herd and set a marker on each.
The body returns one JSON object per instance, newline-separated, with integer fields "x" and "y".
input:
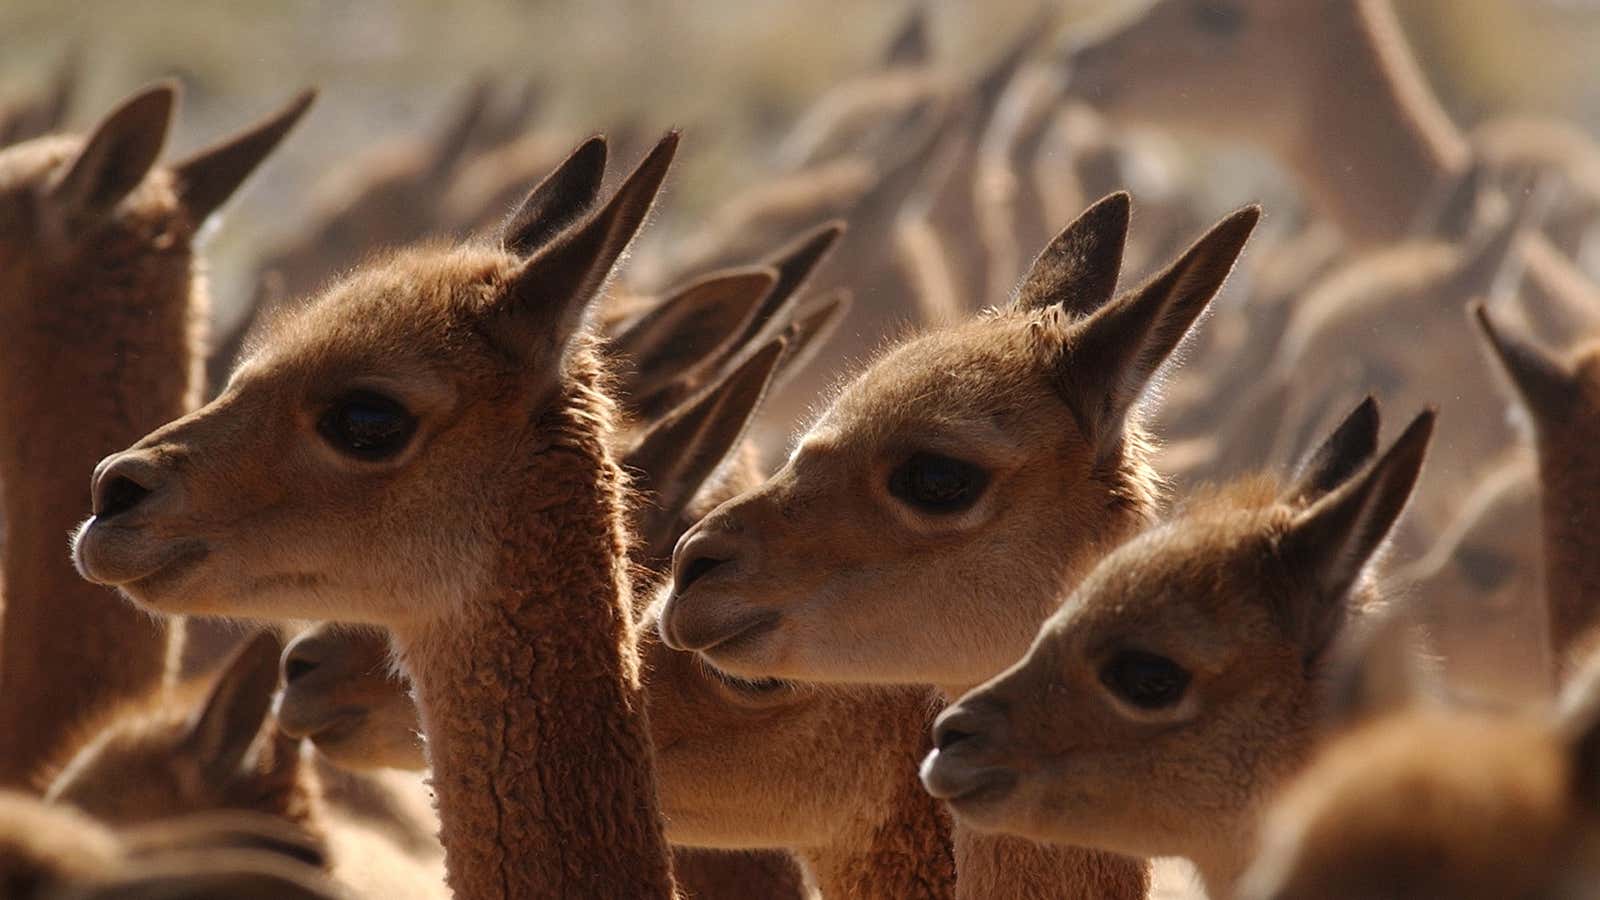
{"x": 512, "y": 546}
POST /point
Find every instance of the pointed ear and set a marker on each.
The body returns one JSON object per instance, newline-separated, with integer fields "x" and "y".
{"x": 546, "y": 300}
{"x": 559, "y": 200}
{"x": 690, "y": 326}
{"x": 809, "y": 332}
{"x": 460, "y": 127}
{"x": 1329, "y": 543}
{"x": 910, "y": 44}
{"x": 1333, "y": 461}
{"x": 1545, "y": 384}
{"x": 794, "y": 264}
{"x": 1079, "y": 269}
{"x": 680, "y": 452}
{"x": 208, "y": 178}
{"x": 1381, "y": 671}
{"x": 222, "y": 730}
{"x": 118, "y": 153}
{"x": 1110, "y": 358}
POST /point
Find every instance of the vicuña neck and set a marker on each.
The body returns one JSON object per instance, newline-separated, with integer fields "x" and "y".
{"x": 991, "y": 866}
{"x": 1376, "y": 148}
{"x": 70, "y": 649}
{"x": 530, "y": 700}
{"x": 904, "y": 850}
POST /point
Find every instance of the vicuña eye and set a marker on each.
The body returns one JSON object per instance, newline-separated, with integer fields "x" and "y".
{"x": 367, "y": 426}
{"x": 1145, "y": 680}
{"x": 937, "y": 484}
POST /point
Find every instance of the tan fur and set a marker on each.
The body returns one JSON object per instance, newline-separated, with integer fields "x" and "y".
{"x": 1236, "y": 594}
{"x": 106, "y": 306}
{"x": 1420, "y": 801}
{"x": 525, "y": 667}
{"x": 910, "y": 597}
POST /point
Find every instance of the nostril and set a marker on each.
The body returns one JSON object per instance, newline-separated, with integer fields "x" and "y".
{"x": 118, "y": 494}
{"x": 296, "y": 668}
{"x": 696, "y": 568}
{"x": 949, "y": 737}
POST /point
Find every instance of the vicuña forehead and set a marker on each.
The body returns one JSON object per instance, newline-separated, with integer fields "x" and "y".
{"x": 416, "y": 303}
{"x": 981, "y": 369}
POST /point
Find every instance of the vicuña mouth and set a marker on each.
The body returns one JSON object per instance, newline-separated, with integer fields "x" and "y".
{"x": 964, "y": 784}
{"x": 110, "y": 553}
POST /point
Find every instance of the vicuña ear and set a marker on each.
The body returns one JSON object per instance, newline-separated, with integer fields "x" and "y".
{"x": 1328, "y": 544}
{"x": 1545, "y": 384}
{"x": 118, "y": 153}
{"x": 810, "y": 330}
{"x": 795, "y": 264}
{"x": 1338, "y": 457}
{"x": 208, "y": 178}
{"x": 547, "y": 298}
{"x": 1078, "y": 269}
{"x": 692, "y": 325}
{"x": 910, "y": 45}
{"x": 559, "y": 200}
{"x": 222, "y": 730}
{"x": 680, "y": 452}
{"x": 1109, "y": 358}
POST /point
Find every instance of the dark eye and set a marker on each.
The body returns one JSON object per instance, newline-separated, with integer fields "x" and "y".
{"x": 1145, "y": 680}
{"x": 937, "y": 484}
{"x": 1223, "y": 19}
{"x": 367, "y": 426}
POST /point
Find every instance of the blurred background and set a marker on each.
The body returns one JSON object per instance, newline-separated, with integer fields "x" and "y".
{"x": 733, "y": 73}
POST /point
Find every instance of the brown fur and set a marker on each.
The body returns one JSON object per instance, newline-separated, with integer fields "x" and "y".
{"x": 1416, "y": 801}
{"x": 525, "y": 668}
{"x": 1070, "y": 479}
{"x": 106, "y": 305}
{"x": 1244, "y": 592}
{"x": 1562, "y": 396}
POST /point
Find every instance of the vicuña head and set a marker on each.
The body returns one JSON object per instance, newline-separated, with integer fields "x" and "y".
{"x": 1183, "y": 670}
{"x": 926, "y": 523}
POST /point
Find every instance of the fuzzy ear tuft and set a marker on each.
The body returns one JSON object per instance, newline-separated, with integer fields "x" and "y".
{"x": 1329, "y": 544}
{"x": 547, "y": 298}
{"x": 1110, "y": 357}
{"x": 209, "y": 177}
{"x": 559, "y": 200}
{"x": 118, "y": 153}
{"x": 1078, "y": 270}
{"x": 1544, "y": 383}
{"x": 1343, "y": 454}
{"x": 680, "y": 452}
{"x": 222, "y": 730}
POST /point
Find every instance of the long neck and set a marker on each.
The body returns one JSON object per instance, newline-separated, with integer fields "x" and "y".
{"x": 1377, "y": 146}
{"x": 102, "y": 353}
{"x": 901, "y": 848}
{"x": 1567, "y": 463}
{"x": 995, "y": 866}
{"x": 530, "y": 700}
